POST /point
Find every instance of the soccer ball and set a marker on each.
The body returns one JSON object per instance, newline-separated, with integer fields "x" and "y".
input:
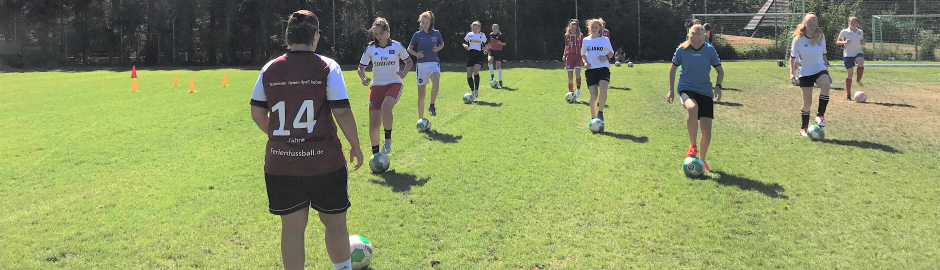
{"x": 493, "y": 83}
{"x": 617, "y": 63}
{"x": 596, "y": 125}
{"x": 379, "y": 163}
{"x": 860, "y": 97}
{"x": 360, "y": 251}
{"x": 467, "y": 98}
{"x": 816, "y": 133}
{"x": 693, "y": 167}
{"x": 570, "y": 97}
{"x": 630, "y": 64}
{"x": 424, "y": 124}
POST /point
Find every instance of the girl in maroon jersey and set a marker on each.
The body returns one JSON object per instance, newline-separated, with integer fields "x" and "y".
{"x": 572, "y": 56}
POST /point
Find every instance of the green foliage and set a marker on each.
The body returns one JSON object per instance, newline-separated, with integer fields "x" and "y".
{"x": 927, "y": 44}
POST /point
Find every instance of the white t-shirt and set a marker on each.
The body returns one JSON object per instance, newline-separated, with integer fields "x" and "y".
{"x": 592, "y": 48}
{"x": 335, "y": 86}
{"x": 476, "y": 41}
{"x": 812, "y": 58}
{"x": 854, "y": 47}
{"x": 384, "y": 61}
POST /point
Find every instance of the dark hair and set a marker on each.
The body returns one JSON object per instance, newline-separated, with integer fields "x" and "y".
{"x": 688, "y": 23}
{"x": 381, "y": 23}
{"x": 302, "y": 27}
{"x": 708, "y": 27}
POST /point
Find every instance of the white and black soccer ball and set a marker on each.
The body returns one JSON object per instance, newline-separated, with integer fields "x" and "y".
{"x": 629, "y": 64}
{"x": 570, "y": 98}
{"x": 467, "y": 98}
{"x": 617, "y": 63}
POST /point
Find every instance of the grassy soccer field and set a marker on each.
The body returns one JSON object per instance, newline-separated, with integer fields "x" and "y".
{"x": 95, "y": 177}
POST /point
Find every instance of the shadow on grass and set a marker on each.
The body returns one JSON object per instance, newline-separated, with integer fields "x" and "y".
{"x": 732, "y": 89}
{"x": 770, "y": 190}
{"x": 507, "y": 88}
{"x": 864, "y": 145}
{"x": 606, "y": 106}
{"x": 895, "y": 105}
{"x": 488, "y": 104}
{"x": 635, "y": 139}
{"x": 834, "y": 88}
{"x": 400, "y": 182}
{"x": 730, "y": 104}
{"x": 442, "y": 137}
{"x": 620, "y": 88}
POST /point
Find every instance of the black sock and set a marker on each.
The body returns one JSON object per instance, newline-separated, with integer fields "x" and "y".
{"x": 600, "y": 114}
{"x": 375, "y": 149}
{"x": 388, "y": 134}
{"x": 476, "y": 82}
{"x": 823, "y": 102}
{"x": 470, "y": 83}
{"x": 805, "y": 116}
{"x": 432, "y": 106}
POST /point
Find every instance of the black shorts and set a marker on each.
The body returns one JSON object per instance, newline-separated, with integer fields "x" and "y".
{"x": 706, "y": 106}
{"x": 595, "y": 75}
{"x": 810, "y": 81}
{"x": 326, "y": 193}
{"x": 475, "y": 57}
{"x": 497, "y": 55}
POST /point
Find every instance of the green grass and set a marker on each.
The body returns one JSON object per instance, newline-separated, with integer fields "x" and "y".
{"x": 95, "y": 177}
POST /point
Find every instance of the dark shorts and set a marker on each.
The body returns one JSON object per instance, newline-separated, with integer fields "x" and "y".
{"x": 850, "y": 61}
{"x": 475, "y": 57}
{"x": 810, "y": 81}
{"x": 596, "y": 75}
{"x": 497, "y": 55}
{"x": 326, "y": 193}
{"x": 706, "y": 106}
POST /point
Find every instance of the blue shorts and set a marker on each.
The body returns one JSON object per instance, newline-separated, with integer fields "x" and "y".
{"x": 850, "y": 61}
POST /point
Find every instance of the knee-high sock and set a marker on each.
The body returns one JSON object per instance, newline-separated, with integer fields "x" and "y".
{"x": 470, "y": 82}
{"x": 861, "y": 70}
{"x": 579, "y": 83}
{"x": 848, "y": 86}
{"x": 500, "y": 71}
{"x": 476, "y": 82}
{"x": 491, "y": 70}
{"x": 823, "y": 102}
{"x": 804, "y": 116}
{"x": 570, "y": 87}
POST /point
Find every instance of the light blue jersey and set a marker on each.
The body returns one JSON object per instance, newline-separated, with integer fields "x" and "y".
{"x": 425, "y": 42}
{"x": 696, "y": 67}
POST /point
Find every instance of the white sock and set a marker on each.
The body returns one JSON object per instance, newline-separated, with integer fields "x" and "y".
{"x": 491, "y": 69}
{"x": 347, "y": 265}
{"x": 500, "y": 71}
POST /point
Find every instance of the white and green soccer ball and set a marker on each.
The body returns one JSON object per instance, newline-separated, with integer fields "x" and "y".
{"x": 570, "y": 97}
{"x": 693, "y": 167}
{"x": 467, "y": 98}
{"x": 617, "y": 63}
{"x": 596, "y": 125}
{"x": 816, "y": 133}
{"x": 423, "y": 124}
{"x": 630, "y": 64}
{"x": 379, "y": 162}
{"x": 493, "y": 83}
{"x": 360, "y": 252}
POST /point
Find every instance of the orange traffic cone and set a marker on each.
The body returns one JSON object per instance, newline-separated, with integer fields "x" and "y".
{"x": 176, "y": 80}
{"x": 192, "y": 85}
{"x": 134, "y": 86}
{"x": 224, "y": 80}
{"x": 134, "y": 72}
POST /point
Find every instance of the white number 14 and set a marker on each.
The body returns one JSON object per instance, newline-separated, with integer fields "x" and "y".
{"x": 305, "y": 109}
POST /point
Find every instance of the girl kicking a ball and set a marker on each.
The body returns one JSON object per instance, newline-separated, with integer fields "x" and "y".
{"x": 852, "y": 38}
{"x": 808, "y": 60}
{"x": 385, "y": 55}
{"x": 696, "y": 57}
{"x": 596, "y": 53}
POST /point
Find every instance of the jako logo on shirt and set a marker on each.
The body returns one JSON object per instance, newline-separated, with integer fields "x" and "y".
{"x": 596, "y": 48}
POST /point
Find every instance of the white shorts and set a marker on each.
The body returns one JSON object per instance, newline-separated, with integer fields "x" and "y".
{"x": 424, "y": 70}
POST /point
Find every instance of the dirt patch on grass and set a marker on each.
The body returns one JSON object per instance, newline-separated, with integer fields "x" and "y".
{"x": 742, "y": 41}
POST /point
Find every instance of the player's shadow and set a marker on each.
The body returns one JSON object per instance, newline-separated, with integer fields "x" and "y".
{"x": 620, "y": 88}
{"x": 488, "y": 104}
{"x": 732, "y": 89}
{"x": 635, "y": 139}
{"x": 770, "y": 190}
{"x": 895, "y": 105}
{"x": 729, "y": 104}
{"x": 442, "y": 137}
{"x": 507, "y": 88}
{"x": 606, "y": 106}
{"x": 834, "y": 88}
{"x": 864, "y": 145}
{"x": 400, "y": 182}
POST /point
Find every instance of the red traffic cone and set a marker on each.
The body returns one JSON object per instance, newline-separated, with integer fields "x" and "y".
{"x": 134, "y": 72}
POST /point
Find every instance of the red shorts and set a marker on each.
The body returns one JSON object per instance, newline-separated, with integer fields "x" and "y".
{"x": 377, "y": 94}
{"x": 573, "y": 60}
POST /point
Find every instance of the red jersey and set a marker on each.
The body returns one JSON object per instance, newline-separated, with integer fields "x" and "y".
{"x": 573, "y": 44}
{"x": 297, "y": 89}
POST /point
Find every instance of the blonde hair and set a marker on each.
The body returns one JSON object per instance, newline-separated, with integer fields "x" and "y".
{"x": 476, "y": 23}
{"x": 428, "y": 14}
{"x": 697, "y": 29}
{"x": 568, "y": 28}
{"x": 801, "y": 30}
{"x": 497, "y": 29}
{"x": 600, "y": 31}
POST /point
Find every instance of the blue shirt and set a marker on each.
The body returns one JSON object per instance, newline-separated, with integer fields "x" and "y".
{"x": 425, "y": 42}
{"x": 696, "y": 67}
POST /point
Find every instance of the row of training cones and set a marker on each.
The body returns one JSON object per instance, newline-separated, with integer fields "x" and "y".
{"x": 176, "y": 81}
